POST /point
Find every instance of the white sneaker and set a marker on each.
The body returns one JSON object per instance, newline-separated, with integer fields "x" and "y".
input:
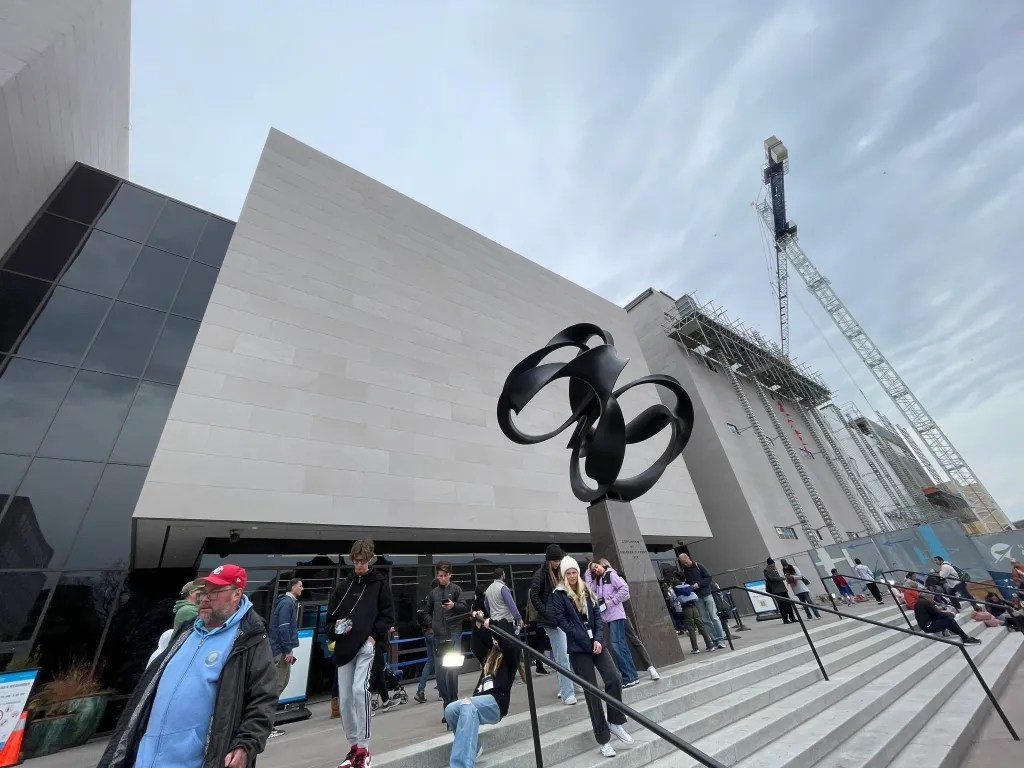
{"x": 607, "y": 751}
{"x": 570, "y": 701}
{"x": 620, "y": 733}
{"x": 653, "y": 673}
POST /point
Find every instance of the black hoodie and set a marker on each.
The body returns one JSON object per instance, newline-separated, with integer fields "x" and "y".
{"x": 367, "y": 601}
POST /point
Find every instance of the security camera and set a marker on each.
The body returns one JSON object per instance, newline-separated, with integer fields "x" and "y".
{"x": 234, "y": 536}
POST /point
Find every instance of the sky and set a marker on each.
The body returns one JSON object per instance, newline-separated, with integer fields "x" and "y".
{"x": 620, "y": 145}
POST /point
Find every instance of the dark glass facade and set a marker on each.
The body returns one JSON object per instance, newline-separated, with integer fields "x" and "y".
{"x": 100, "y": 303}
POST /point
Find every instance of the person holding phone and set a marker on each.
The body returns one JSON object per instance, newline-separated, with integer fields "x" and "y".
{"x": 445, "y": 601}
{"x": 573, "y": 610}
{"x": 611, "y": 593}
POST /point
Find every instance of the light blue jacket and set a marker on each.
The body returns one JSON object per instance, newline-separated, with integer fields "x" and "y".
{"x": 183, "y": 705}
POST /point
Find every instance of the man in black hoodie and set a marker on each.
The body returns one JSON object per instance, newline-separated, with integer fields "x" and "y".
{"x": 359, "y": 615}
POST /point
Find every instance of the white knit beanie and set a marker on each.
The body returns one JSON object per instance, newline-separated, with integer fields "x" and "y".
{"x": 567, "y": 563}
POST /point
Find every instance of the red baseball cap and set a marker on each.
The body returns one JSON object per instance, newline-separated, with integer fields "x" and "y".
{"x": 227, "y": 576}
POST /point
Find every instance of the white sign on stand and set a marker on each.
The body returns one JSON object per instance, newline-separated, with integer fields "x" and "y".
{"x": 15, "y": 688}
{"x": 297, "y": 681}
{"x": 762, "y": 603}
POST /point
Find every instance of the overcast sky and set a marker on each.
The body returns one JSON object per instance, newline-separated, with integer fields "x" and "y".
{"x": 620, "y": 144}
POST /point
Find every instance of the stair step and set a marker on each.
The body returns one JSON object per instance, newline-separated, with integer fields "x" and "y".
{"x": 945, "y": 739}
{"x": 724, "y": 727}
{"x": 682, "y": 685}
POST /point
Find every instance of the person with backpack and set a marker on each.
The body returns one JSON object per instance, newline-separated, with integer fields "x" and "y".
{"x": 955, "y": 583}
{"x": 798, "y": 584}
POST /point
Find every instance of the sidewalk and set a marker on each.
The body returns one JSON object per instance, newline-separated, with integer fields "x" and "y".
{"x": 320, "y": 743}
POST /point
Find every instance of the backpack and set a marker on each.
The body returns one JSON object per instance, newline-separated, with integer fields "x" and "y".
{"x": 961, "y": 573}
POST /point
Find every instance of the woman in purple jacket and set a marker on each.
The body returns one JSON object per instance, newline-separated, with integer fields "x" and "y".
{"x": 610, "y": 592}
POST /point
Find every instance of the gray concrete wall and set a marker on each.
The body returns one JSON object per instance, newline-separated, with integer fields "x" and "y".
{"x": 64, "y": 95}
{"x": 737, "y": 487}
{"x": 348, "y": 367}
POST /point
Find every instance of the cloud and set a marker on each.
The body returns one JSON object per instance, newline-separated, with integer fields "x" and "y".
{"x": 622, "y": 148}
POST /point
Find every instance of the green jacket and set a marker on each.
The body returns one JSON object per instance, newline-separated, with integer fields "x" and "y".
{"x": 184, "y": 613}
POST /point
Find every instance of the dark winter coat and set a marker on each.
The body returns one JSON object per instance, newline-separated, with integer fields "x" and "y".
{"x": 243, "y": 714}
{"x": 541, "y": 587}
{"x": 439, "y": 615}
{"x": 367, "y": 600}
{"x": 696, "y": 574}
{"x": 284, "y": 625}
{"x": 776, "y": 584}
{"x": 563, "y": 613}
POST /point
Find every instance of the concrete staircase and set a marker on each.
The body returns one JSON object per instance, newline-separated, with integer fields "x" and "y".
{"x": 892, "y": 700}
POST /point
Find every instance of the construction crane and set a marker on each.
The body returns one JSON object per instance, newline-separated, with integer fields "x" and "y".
{"x": 787, "y": 249}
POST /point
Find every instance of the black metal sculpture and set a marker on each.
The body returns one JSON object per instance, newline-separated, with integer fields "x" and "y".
{"x": 601, "y": 434}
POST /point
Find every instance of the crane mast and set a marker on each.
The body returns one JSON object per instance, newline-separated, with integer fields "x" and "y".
{"x": 787, "y": 248}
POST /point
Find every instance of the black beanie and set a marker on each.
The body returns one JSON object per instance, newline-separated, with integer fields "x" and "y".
{"x": 770, "y": 561}
{"x": 554, "y": 552}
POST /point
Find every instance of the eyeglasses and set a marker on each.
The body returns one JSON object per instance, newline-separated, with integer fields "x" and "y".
{"x": 360, "y": 561}
{"x": 203, "y": 593}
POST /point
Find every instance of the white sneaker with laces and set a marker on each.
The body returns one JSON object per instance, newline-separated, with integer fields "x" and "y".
{"x": 620, "y": 733}
{"x": 570, "y": 701}
{"x": 607, "y": 751}
{"x": 653, "y": 673}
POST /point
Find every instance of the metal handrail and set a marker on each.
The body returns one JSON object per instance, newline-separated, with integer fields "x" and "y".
{"x": 934, "y": 638}
{"x": 993, "y": 586}
{"x": 611, "y": 701}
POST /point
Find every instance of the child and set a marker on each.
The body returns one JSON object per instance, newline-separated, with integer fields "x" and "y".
{"x": 845, "y": 590}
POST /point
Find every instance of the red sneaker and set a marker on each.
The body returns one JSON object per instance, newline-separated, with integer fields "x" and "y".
{"x": 349, "y": 760}
{"x": 361, "y": 758}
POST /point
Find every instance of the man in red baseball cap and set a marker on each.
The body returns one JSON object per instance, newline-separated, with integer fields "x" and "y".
{"x": 225, "y": 651}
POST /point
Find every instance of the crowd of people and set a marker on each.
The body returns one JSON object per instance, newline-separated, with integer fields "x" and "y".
{"x": 210, "y": 693}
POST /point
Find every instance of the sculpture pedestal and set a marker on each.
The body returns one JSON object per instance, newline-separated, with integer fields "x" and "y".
{"x": 615, "y": 534}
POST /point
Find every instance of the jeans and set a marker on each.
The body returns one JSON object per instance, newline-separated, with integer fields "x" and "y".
{"x": 428, "y": 668}
{"x": 620, "y": 649}
{"x": 709, "y": 612}
{"x": 805, "y": 597}
{"x": 447, "y": 678}
{"x": 947, "y": 623}
{"x": 560, "y": 652}
{"x": 585, "y": 665}
{"x": 466, "y": 719}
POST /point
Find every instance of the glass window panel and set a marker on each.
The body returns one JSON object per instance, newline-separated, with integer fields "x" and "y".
{"x": 172, "y": 350}
{"x": 154, "y": 279}
{"x": 24, "y": 597}
{"x": 12, "y": 468}
{"x": 141, "y": 432}
{"x": 214, "y": 242}
{"x": 90, "y": 417}
{"x": 47, "y": 247}
{"x": 102, "y": 265}
{"x": 19, "y": 298}
{"x": 30, "y": 394}
{"x": 83, "y": 195}
{"x": 81, "y": 606}
{"x": 131, "y": 213}
{"x": 63, "y": 329}
{"x": 195, "y": 291}
{"x": 104, "y": 538}
{"x": 178, "y": 228}
{"x": 125, "y": 340}
{"x": 48, "y": 508}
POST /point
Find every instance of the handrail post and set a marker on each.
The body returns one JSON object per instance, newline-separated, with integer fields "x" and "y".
{"x": 814, "y": 650}
{"x": 829, "y": 593}
{"x": 988, "y": 692}
{"x": 899, "y": 605}
{"x": 538, "y": 757}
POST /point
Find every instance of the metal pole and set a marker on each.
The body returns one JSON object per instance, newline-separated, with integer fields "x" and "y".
{"x": 537, "y": 755}
{"x": 988, "y": 692}
{"x": 814, "y": 650}
{"x": 900, "y": 605}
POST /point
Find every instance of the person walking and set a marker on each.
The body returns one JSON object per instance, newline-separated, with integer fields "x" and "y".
{"x": 284, "y": 636}
{"x": 187, "y": 608}
{"x": 544, "y": 581}
{"x": 574, "y": 611}
{"x": 424, "y": 619}
{"x": 696, "y": 575}
{"x": 610, "y": 593}
{"x": 845, "y": 590}
{"x": 360, "y": 614}
{"x": 687, "y": 600}
{"x": 932, "y": 620}
{"x": 208, "y": 700}
{"x": 776, "y": 586}
{"x": 444, "y": 602}
{"x": 798, "y": 584}
{"x": 954, "y": 585}
{"x": 867, "y": 578}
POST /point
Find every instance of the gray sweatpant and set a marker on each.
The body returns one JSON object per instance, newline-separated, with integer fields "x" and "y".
{"x": 354, "y": 696}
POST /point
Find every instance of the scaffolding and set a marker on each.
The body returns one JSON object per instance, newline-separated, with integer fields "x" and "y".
{"x": 723, "y": 344}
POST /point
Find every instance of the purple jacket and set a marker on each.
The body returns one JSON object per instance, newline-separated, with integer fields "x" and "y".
{"x": 612, "y": 589}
